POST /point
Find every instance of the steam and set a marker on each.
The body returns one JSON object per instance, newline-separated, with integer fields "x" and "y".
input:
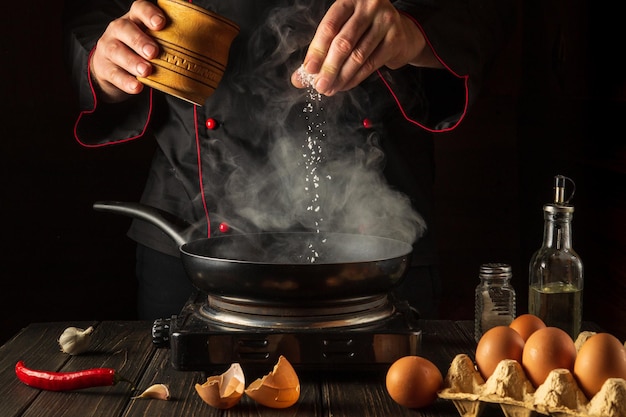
{"x": 308, "y": 166}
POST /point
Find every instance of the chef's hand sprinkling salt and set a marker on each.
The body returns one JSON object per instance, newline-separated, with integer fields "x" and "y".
{"x": 75, "y": 341}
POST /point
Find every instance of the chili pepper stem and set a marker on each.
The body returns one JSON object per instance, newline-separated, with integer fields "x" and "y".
{"x": 119, "y": 378}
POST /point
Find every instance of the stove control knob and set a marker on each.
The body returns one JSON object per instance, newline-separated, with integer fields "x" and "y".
{"x": 161, "y": 333}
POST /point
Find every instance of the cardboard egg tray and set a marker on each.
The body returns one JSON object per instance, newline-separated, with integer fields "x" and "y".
{"x": 558, "y": 396}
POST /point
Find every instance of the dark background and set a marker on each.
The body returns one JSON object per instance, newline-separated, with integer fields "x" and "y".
{"x": 554, "y": 105}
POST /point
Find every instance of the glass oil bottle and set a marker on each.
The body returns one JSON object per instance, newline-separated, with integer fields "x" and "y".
{"x": 556, "y": 270}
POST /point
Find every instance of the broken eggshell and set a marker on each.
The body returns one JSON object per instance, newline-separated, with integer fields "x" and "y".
{"x": 279, "y": 388}
{"x": 225, "y": 390}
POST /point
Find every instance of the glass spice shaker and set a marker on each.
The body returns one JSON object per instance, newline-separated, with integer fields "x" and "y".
{"x": 555, "y": 270}
{"x": 494, "y": 300}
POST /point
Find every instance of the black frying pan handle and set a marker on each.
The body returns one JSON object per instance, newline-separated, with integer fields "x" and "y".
{"x": 177, "y": 229}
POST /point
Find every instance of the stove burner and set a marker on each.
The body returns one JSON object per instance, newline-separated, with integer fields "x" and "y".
{"x": 212, "y": 332}
{"x": 330, "y": 314}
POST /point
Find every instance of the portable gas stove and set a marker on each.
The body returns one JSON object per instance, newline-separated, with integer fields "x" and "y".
{"x": 212, "y": 332}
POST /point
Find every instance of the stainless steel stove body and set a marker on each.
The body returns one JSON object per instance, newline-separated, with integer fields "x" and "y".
{"x": 212, "y": 332}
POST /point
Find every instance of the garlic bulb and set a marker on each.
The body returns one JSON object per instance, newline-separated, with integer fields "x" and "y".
{"x": 158, "y": 391}
{"x": 74, "y": 341}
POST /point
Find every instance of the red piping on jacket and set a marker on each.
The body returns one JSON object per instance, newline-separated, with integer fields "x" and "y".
{"x": 95, "y": 105}
{"x": 200, "y": 180}
{"x": 199, "y": 155}
{"x": 395, "y": 97}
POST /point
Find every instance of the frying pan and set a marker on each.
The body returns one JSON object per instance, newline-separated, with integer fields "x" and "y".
{"x": 280, "y": 266}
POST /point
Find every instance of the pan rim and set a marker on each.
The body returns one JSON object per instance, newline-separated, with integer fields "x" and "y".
{"x": 404, "y": 249}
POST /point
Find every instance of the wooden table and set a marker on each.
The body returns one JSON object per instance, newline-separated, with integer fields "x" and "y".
{"x": 127, "y": 347}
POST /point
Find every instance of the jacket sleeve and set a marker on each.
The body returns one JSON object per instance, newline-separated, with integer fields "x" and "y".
{"x": 99, "y": 123}
{"x": 466, "y": 36}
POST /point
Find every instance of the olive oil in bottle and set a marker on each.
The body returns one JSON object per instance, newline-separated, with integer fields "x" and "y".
{"x": 555, "y": 270}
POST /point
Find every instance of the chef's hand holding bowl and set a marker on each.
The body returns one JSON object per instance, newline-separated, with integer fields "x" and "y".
{"x": 173, "y": 46}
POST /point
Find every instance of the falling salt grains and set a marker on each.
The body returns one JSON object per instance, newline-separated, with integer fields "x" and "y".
{"x": 313, "y": 154}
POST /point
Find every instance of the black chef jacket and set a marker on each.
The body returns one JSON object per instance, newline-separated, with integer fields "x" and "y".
{"x": 209, "y": 156}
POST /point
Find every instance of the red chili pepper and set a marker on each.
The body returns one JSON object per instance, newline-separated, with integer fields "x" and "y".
{"x": 67, "y": 381}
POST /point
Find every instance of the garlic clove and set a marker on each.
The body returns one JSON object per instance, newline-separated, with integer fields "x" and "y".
{"x": 156, "y": 391}
{"x": 74, "y": 340}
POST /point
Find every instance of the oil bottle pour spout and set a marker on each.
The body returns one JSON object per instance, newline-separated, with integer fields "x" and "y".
{"x": 560, "y": 182}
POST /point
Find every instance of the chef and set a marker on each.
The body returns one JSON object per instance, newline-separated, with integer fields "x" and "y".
{"x": 368, "y": 82}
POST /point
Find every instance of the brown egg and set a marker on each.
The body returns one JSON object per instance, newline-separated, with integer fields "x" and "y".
{"x": 278, "y": 389}
{"x": 602, "y": 356}
{"x": 225, "y": 390}
{"x": 547, "y": 349}
{"x": 413, "y": 381}
{"x": 526, "y": 324}
{"x": 496, "y": 344}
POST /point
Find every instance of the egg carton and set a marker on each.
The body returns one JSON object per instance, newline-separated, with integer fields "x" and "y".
{"x": 509, "y": 387}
